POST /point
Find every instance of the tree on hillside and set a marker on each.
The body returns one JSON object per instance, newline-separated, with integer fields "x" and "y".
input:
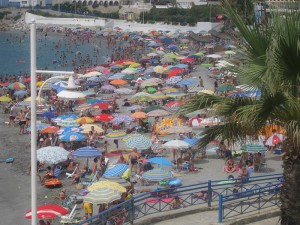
{"x": 272, "y": 65}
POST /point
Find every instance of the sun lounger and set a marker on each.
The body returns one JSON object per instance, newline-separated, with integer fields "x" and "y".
{"x": 89, "y": 180}
{"x": 70, "y": 175}
{"x": 70, "y": 217}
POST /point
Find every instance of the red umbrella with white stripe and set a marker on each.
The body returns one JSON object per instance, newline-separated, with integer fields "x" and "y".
{"x": 48, "y": 211}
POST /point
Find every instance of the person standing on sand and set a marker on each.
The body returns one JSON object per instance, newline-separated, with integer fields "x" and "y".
{"x": 22, "y": 121}
{"x": 12, "y": 116}
{"x": 201, "y": 82}
{"x": 216, "y": 85}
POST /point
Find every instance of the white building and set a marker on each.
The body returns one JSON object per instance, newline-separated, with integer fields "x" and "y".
{"x": 26, "y": 3}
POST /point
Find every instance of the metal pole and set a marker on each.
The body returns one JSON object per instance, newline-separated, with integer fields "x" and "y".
{"x": 143, "y": 12}
{"x": 46, "y": 81}
{"x": 220, "y": 213}
{"x": 33, "y": 122}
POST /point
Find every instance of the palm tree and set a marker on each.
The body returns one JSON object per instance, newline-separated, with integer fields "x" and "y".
{"x": 273, "y": 66}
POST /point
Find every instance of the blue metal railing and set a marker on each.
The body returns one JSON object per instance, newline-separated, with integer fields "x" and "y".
{"x": 248, "y": 201}
{"x": 157, "y": 201}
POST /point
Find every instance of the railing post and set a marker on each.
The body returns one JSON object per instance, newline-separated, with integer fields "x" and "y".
{"x": 132, "y": 211}
{"x": 209, "y": 193}
{"x": 220, "y": 214}
{"x": 259, "y": 199}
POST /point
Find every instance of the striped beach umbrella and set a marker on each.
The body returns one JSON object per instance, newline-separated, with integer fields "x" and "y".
{"x": 87, "y": 152}
{"x": 70, "y": 122}
{"x": 139, "y": 142}
{"x": 101, "y": 105}
{"x": 254, "y": 148}
{"x": 102, "y": 195}
{"x": 72, "y": 137}
{"x": 157, "y": 175}
{"x": 123, "y": 91}
{"x": 158, "y": 112}
{"x": 108, "y": 87}
{"x": 52, "y": 155}
{"x": 160, "y": 161}
{"x": 107, "y": 184}
{"x": 69, "y": 130}
{"x": 115, "y": 135}
{"x": 116, "y": 170}
{"x": 118, "y": 180}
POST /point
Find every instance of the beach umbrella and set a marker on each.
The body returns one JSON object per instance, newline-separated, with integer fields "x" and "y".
{"x": 195, "y": 122}
{"x": 195, "y": 89}
{"x": 122, "y": 119}
{"x": 69, "y": 122}
{"x": 209, "y": 92}
{"x": 108, "y": 87}
{"x": 139, "y": 115}
{"x": 166, "y": 60}
{"x": 158, "y": 112}
{"x": 92, "y": 74}
{"x": 134, "y": 107}
{"x": 159, "y": 69}
{"x": 152, "y": 108}
{"x": 116, "y": 170}
{"x": 140, "y": 95}
{"x": 159, "y": 95}
{"x": 254, "y": 148}
{"x": 188, "y": 82}
{"x": 49, "y": 130}
{"x": 160, "y": 161}
{"x": 21, "y": 93}
{"x": 52, "y": 155}
{"x": 94, "y": 100}
{"x": 72, "y": 137}
{"x": 191, "y": 141}
{"x": 180, "y": 129}
{"x": 176, "y": 144}
{"x": 175, "y": 94}
{"x": 69, "y": 130}
{"x": 210, "y": 121}
{"x": 181, "y": 66}
{"x": 83, "y": 107}
{"x": 101, "y": 105}
{"x": 115, "y": 135}
{"x": 48, "y": 211}
{"x": 118, "y": 180}
{"x": 6, "y": 84}
{"x": 139, "y": 142}
{"x": 102, "y": 196}
{"x": 207, "y": 64}
{"x": 83, "y": 120}
{"x": 123, "y": 91}
{"x": 157, "y": 175}
{"x": 37, "y": 99}
{"x": 129, "y": 70}
{"x": 173, "y": 104}
{"x": 104, "y": 117}
{"x": 171, "y": 55}
{"x": 49, "y": 115}
{"x": 16, "y": 86}
{"x": 173, "y": 80}
{"x": 118, "y": 82}
{"x": 147, "y": 83}
{"x": 107, "y": 184}
{"x": 87, "y": 152}
{"x": 129, "y": 77}
{"x": 225, "y": 88}
{"x": 274, "y": 139}
{"x": 175, "y": 72}
{"x": 151, "y": 89}
{"x": 5, "y": 99}
{"x": 88, "y": 127}
{"x": 39, "y": 126}
{"x": 230, "y": 52}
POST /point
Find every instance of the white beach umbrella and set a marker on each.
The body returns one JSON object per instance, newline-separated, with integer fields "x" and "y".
{"x": 52, "y": 155}
{"x": 177, "y": 144}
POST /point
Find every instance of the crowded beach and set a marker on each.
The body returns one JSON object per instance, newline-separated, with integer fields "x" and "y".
{"x": 114, "y": 130}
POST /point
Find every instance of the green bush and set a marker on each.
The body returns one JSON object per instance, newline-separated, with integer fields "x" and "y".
{"x": 17, "y": 17}
{"x": 3, "y": 14}
{"x": 183, "y": 23}
{"x": 174, "y": 23}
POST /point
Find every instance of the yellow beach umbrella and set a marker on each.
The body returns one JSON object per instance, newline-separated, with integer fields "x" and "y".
{"x": 5, "y": 99}
{"x": 135, "y": 65}
{"x": 159, "y": 69}
{"x": 84, "y": 120}
{"x": 37, "y": 99}
{"x": 107, "y": 184}
{"x": 88, "y": 127}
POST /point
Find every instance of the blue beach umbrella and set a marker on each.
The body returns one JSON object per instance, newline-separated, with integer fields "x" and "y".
{"x": 157, "y": 175}
{"x": 21, "y": 93}
{"x": 69, "y": 130}
{"x": 191, "y": 141}
{"x": 72, "y": 137}
{"x": 49, "y": 115}
{"x": 181, "y": 66}
{"x": 115, "y": 171}
{"x": 87, "y": 152}
{"x": 39, "y": 126}
{"x": 254, "y": 148}
{"x": 188, "y": 82}
{"x": 161, "y": 161}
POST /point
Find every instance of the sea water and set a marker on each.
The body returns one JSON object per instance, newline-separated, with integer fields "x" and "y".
{"x": 15, "y": 52}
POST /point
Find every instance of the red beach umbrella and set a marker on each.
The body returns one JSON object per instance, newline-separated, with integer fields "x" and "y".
{"x": 174, "y": 72}
{"x": 49, "y": 130}
{"x": 187, "y": 60}
{"x": 104, "y": 117}
{"x": 101, "y": 105}
{"x": 48, "y": 211}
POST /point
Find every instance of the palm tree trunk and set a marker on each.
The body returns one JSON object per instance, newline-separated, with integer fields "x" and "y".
{"x": 290, "y": 194}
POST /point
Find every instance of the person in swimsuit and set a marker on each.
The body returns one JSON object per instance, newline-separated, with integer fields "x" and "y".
{"x": 22, "y": 121}
{"x": 134, "y": 160}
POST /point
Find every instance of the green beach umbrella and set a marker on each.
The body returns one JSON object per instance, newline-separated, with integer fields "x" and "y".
{"x": 151, "y": 89}
{"x": 225, "y": 88}
{"x": 199, "y": 54}
{"x": 206, "y": 64}
{"x": 128, "y": 77}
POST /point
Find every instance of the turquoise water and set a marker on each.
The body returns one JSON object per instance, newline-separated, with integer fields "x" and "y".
{"x": 15, "y": 52}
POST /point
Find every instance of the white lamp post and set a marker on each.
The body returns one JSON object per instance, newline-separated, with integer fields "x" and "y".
{"x": 33, "y": 71}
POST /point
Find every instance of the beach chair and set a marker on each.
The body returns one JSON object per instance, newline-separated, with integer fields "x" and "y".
{"x": 70, "y": 217}
{"x": 90, "y": 180}
{"x": 70, "y": 175}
